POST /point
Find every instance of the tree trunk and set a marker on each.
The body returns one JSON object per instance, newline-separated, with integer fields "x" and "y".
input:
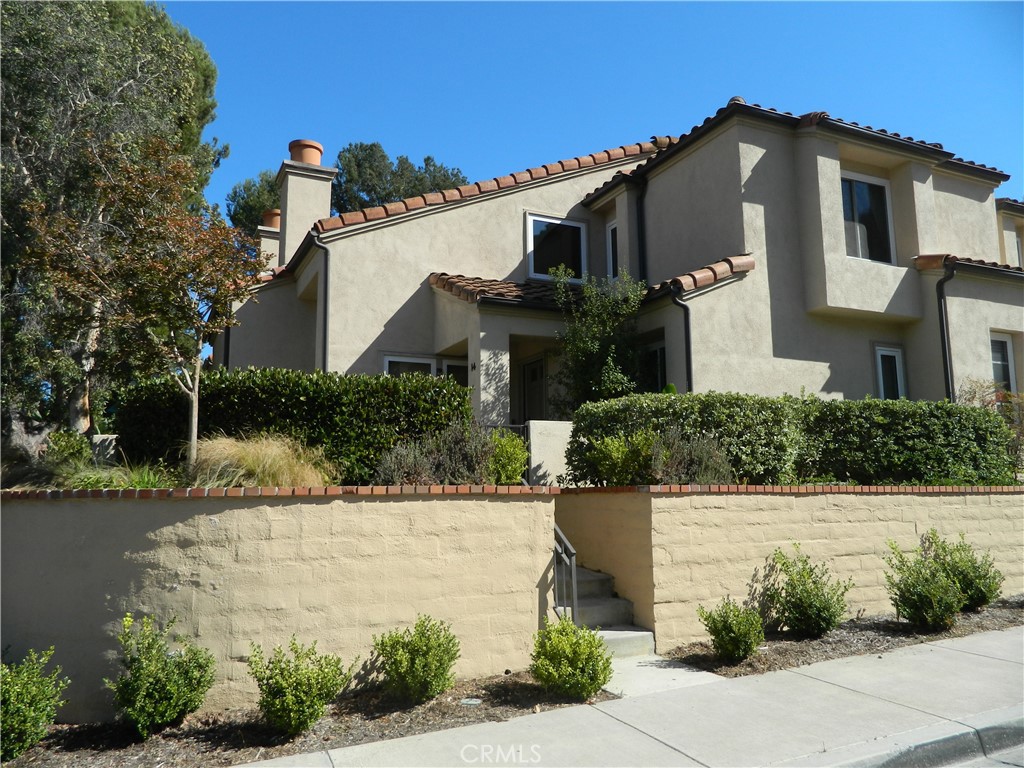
{"x": 193, "y": 425}
{"x": 79, "y": 413}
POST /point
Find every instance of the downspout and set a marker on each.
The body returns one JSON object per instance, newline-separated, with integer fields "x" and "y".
{"x": 325, "y": 295}
{"x": 641, "y": 225}
{"x": 687, "y": 348}
{"x": 947, "y": 364}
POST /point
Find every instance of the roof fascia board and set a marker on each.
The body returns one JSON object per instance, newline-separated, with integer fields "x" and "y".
{"x": 991, "y": 272}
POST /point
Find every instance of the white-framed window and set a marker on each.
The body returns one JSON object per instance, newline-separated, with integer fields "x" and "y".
{"x": 396, "y": 365}
{"x": 1003, "y": 373}
{"x": 458, "y": 370}
{"x": 890, "y": 378}
{"x": 612, "y": 249}
{"x": 867, "y": 215}
{"x": 551, "y": 241}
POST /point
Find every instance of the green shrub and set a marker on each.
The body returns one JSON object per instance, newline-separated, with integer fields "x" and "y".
{"x": 921, "y": 590}
{"x": 977, "y": 578}
{"x": 416, "y": 664}
{"x": 883, "y": 442}
{"x": 258, "y": 460}
{"x": 736, "y": 632}
{"x": 157, "y": 475}
{"x": 295, "y": 691}
{"x": 158, "y": 686}
{"x": 508, "y": 461}
{"x": 677, "y": 459}
{"x": 807, "y": 602}
{"x": 354, "y": 419}
{"x": 756, "y": 434}
{"x": 778, "y": 440}
{"x": 29, "y": 699}
{"x": 64, "y": 448}
{"x": 570, "y": 661}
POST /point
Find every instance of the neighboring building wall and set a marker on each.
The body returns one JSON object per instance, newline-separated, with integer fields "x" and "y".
{"x": 706, "y": 546}
{"x": 275, "y": 330}
{"x": 335, "y": 569}
{"x": 978, "y": 308}
{"x": 1011, "y": 233}
{"x": 964, "y": 210}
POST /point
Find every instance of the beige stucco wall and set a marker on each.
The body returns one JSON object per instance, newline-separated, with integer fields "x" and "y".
{"x": 612, "y": 533}
{"x": 978, "y": 307}
{"x": 548, "y": 440}
{"x": 965, "y": 209}
{"x": 274, "y": 330}
{"x": 1011, "y": 231}
{"x": 335, "y": 570}
{"x": 707, "y": 546}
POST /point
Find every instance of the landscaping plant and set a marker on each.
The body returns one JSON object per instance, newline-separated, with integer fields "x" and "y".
{"x": 29, "y": 699}
{"x": 416, "y": 664}
{"x": 736, "y": 632}
{"x": 295, "y": 691}
{"x": 921, "y": 589}
{"x": 509, "y": 458}
{"x": 259, "y": 460}
{"x": 804, "y": 598}
{"x": 159, "y": 686}
{"x": 570, "y": 661}
{"x": 977, "y": 578}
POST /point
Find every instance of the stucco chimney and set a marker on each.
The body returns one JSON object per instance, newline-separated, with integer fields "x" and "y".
{"x": 305, "y": 188}
{"x": 270, "y": 236}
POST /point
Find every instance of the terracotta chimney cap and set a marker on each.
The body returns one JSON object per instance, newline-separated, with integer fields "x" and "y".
{"x": 272, "y": 218}
{"x": 306, "y": 151}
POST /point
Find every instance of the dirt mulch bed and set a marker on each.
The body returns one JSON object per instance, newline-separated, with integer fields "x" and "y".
{"x": 856, "y": 637}
{"x": 238, "y": 736}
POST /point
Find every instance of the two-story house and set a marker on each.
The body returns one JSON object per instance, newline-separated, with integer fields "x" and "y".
{"x": 784, "y": 253}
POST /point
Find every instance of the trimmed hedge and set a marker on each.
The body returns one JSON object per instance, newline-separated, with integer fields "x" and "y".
{"x": 782, "y": 440}
{"x": 354, "y": 418}
{"x": 756, "y": 433}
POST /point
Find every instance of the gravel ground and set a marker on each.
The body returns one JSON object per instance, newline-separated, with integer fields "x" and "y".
{"x": 238, "y": 736}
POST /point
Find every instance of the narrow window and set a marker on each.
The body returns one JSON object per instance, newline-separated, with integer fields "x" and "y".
{"x": 613, "y": 250}
{"x": 551, "y": 242}
{"x": 396, "y": 366}
{"x": 868, "y": 218}
{"x": 889, "y": 373}
{"x": 1002, "y": 362}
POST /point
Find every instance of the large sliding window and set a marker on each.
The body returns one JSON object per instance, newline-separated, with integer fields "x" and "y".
{"x": 868, "y": 218}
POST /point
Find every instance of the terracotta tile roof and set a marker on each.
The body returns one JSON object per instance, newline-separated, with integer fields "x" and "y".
{"x": 940, "y": 260}
{"x": 1010, "y": 205}
{"x": 541, "y": 293}
{"x": 730, "y": 266}
{"x": 638, "y": 150}
{"x": 738, "y": 106}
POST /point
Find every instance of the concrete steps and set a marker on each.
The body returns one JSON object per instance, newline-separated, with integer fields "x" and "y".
{"x": 600, "y": 608}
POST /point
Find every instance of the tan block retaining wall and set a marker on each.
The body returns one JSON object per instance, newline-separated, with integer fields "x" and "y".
{"x": 671, "y": 550}
{"x": 335, "y": 568}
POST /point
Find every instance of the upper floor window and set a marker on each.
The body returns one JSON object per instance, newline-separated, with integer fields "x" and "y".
{"x": 868, "y": 217}
{"x": 889, "y": 373}
{"x": 552, "y": 241}
{"x": 613, "y": 249}
{"x": 1002, "y": 362}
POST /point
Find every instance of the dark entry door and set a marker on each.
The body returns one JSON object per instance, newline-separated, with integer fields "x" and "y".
{"x": 534, "y": 390}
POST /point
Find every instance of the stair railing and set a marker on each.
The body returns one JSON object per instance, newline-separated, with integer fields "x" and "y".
{"x": 565, "y": 576}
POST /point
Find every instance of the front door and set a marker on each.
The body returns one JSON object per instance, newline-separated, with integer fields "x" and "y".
{"x": 534, "y": 390}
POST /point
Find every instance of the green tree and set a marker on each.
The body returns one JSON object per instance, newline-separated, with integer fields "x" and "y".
{"x": 78, "y": 79}
{"x": 598, "y": 349}
{"x": 367, "y": 177}
{"x": 151, "y": 267}
{"x": 248, "y": 199}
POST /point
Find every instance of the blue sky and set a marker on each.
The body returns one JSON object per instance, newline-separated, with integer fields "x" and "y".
{"x": 494, "y": 87}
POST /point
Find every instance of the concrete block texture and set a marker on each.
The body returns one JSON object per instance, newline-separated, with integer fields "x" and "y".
{"x": 233, "y": 571}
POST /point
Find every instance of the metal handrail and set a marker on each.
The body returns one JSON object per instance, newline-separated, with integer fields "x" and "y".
{"x": 565, "y": 559}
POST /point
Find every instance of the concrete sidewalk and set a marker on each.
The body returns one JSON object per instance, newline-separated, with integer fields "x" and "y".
{"x": 948, "y": 702}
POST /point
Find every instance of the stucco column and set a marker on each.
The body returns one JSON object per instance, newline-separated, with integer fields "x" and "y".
{"x": 489, "y": 353}
{"x": 913, "y": 207}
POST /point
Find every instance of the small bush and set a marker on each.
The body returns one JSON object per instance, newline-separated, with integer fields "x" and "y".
{"x": 623, "y": 460}
{"x": 509, "y": 458}
{"x": 921, "y": 590}
{"x": 416, "y": 664}
{"x": 260, "y": 460}
{"x": 64, "y": 448}
{"x": 807, "y": 602}
{"x": 977, "y": 578}
{"x": 295, "y": 691}
{"x": 28, "y": 702}
{"x": 158, "y": 686}
{"x": 678, "y": 459}
{"x": 570, "y": 661}
{"x": 736, "y": 632}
